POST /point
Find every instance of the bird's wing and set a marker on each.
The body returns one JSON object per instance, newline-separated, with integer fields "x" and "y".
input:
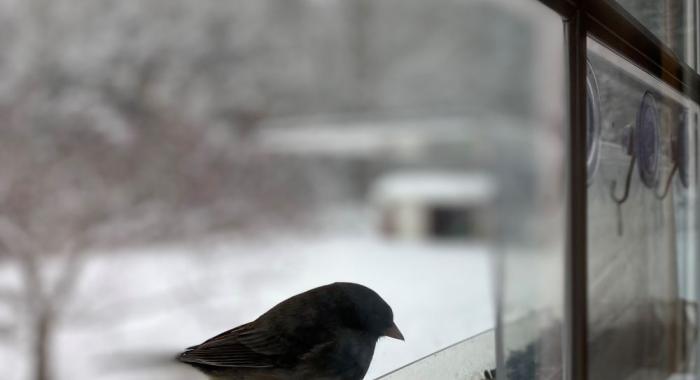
{"x": 244, "y": 346}
{"x": 252, "y": 335}
{"x": 278, "y": 338}
{"x": 231, "y": 355}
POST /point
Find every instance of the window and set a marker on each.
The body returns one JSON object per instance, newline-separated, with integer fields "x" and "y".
{"x": 516, "y": 179}
{"x": 629, "y": 268}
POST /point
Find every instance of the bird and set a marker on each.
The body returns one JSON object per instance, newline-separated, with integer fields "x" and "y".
{"x": 326, "y": 333}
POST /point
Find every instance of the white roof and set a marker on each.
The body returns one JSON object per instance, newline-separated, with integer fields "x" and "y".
{"x": 405, "y": 138}
{"x": 460, "y": 188}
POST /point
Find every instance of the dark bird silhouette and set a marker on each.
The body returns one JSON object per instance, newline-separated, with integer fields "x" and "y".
{"x": 326, "y": 333}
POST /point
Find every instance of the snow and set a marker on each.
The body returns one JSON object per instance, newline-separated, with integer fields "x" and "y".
{"x": 134, "y": 310}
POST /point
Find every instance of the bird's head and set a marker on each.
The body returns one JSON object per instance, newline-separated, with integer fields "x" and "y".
{"x": 367, "y": 311}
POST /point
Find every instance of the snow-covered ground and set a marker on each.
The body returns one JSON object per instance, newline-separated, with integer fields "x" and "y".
{"x": 134, "y": 310}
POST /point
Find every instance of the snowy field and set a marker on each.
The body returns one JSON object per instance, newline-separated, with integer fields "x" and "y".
{"x": 133, "y": 311}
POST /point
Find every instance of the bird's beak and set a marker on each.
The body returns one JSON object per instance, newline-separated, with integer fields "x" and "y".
{"x": 393, "y": 332}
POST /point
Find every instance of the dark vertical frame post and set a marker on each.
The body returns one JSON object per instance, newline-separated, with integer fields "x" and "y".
{"x": 576, "y": 274}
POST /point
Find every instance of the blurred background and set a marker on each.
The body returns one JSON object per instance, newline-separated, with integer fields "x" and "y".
{"x": 170, "y": 169}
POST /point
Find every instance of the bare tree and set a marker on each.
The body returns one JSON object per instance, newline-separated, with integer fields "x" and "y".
{"x": 95, "y": 154}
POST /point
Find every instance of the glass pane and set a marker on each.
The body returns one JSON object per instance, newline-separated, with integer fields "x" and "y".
{"x": 532, "y": 168}
{"x": 673, "y": 22}
{"x": 470, "y": 359}
{"x": 642, "y": 213}
{"x": 172, "y": 169}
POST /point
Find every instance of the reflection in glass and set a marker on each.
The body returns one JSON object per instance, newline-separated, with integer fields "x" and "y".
{"x": 673, "y": 22}
{"x": 592, "y": 122}
{"x": 641, "y": 276}
{"x": 531, "y": 224}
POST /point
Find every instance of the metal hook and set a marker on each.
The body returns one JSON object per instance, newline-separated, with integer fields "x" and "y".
{"x": 620, "y": 200}
{"x": 668, "y": 183}
{"x": 628, "y": 181}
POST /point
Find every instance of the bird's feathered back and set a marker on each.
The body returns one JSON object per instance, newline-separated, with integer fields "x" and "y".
{"x": 294, "y": 328}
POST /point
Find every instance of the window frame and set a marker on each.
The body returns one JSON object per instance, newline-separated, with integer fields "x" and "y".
{"x": 611, "y": 25}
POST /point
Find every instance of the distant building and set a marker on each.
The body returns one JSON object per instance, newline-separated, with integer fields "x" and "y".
{"x": 433, "y": 205}
{"x": 402, "y": 140}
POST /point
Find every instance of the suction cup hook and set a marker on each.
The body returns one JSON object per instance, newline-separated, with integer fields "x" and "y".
{"x": 681, "y": 157}
{"x": 619, "y": 200}
{"x": 647, "y": 144}
{"x": 628, "y": 180}
{"x": 682, "y": 148}
{"x": 644, "y": 147}
{"x": 667, "y": 187}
